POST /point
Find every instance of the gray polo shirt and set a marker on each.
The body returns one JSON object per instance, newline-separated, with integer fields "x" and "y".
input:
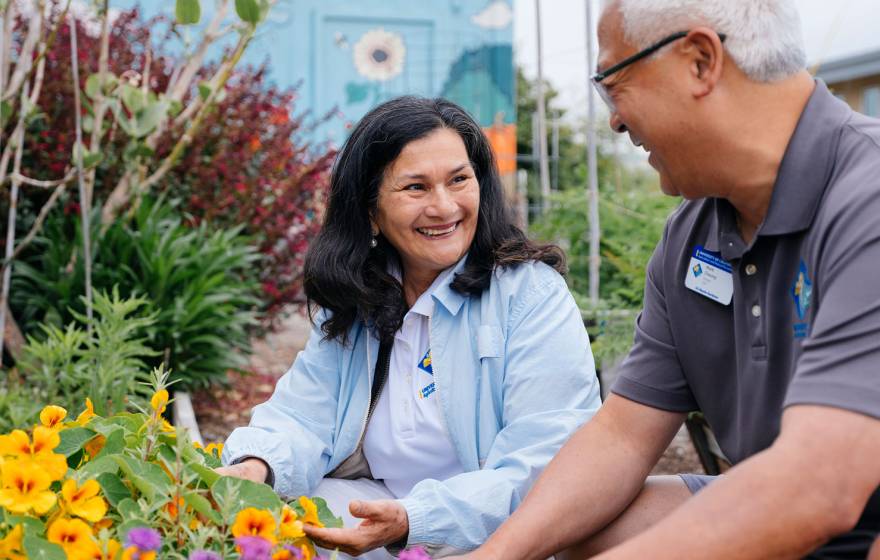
{"x": 803, "y": 323}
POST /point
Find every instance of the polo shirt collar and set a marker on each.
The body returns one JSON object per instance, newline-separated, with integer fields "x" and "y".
{"x": 806, "y": 165}
{"x": 800, "y": 183}
{"x": 443, "y": 293}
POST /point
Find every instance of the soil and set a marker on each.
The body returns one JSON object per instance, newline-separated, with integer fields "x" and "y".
{"x": 220, "y": 410}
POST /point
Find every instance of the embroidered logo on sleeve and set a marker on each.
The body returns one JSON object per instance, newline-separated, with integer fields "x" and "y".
{"x": 801, "y": 292}
{"x": 425, "y": 366}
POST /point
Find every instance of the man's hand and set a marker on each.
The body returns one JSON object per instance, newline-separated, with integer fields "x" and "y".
{"x": 384, "y": 522}
{"x": 252, "y": 469}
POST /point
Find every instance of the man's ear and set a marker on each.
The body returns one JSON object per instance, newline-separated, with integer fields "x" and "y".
{"x": 706, "y": 59}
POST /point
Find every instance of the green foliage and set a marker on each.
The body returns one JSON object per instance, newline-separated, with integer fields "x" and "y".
{"x": 197, "y": 284}
{"x": 66, "y": 365}
{"x": 188, "y": 12}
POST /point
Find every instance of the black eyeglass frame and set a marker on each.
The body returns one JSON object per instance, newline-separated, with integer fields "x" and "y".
{"x": 599, "y": 76}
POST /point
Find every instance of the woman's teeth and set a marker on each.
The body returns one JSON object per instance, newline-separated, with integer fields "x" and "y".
{"x": 436, "y": 232}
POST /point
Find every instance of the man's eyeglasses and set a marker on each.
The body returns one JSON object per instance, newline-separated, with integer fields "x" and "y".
{"x": 599, "y": 76}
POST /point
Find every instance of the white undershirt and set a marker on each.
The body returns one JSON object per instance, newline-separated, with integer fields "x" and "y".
{"x": 406, "y": 440}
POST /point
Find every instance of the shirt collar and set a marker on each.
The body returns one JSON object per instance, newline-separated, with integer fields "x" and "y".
{"x": 800, "y": 183}
{"x": 441, "y": 291}
{"x": 806, "y": 165}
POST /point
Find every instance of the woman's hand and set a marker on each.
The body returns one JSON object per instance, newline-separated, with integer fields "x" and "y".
{"x": 384, "y": 522}
{"x": 250, "y": 469}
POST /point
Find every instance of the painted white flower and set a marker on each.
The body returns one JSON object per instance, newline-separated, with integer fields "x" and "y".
{"x": 379, "y": 55}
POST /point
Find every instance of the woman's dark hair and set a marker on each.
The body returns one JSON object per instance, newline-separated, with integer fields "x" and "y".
{"x": 350, "y": 280}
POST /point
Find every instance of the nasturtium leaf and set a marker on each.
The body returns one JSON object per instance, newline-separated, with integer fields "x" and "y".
{"x": 248, "y": 10}
{"x": 31, "y": 525}
{"x": 113, "y": 444}
{"x": 100, "y": 465}
{"x": 37, "y": 547}
{"x": 72, "y": 440}
{"x": 114, "y": 489}
{"x": 207, "y": 475}
{"x": 129, "y": 509}
{"x": 325, "y": 515}
{"x": 244, "y": 493}
{"x": 148, "y": 478}
{"x": 188, "y": 12}
{"x": 201, "y": 504}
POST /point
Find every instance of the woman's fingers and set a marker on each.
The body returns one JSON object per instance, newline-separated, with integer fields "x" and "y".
{"x": 249, "y": 469}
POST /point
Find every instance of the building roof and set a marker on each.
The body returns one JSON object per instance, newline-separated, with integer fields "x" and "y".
{"x": 850, "y": 68}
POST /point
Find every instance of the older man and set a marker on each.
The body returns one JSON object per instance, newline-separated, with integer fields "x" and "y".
{"x": 762, "y": 305}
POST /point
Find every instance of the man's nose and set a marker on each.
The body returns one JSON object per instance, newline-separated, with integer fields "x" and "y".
{"x": 616, "y": 123}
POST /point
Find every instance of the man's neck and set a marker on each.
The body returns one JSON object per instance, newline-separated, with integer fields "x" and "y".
{"x": 756, "y": 144}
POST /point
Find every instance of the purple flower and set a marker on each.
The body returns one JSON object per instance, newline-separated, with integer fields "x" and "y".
{"x": 203, "y": 555}
{"x": 144, "y": 539}
{"x": 297, "y": 553}
{"x": 254, "y": 548}
{"x": 414, "y": 553}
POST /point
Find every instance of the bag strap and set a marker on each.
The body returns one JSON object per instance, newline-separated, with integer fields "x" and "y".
{"x": 383, "y": 365}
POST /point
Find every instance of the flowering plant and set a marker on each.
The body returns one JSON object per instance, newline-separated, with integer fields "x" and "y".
{"x": 132, "y": 487}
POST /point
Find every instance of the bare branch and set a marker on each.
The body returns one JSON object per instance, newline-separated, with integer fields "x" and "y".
{"x": 6, "y": 45}
{"x": 178, "y": 88}
{"x": 26, "y": 56}
{"x": 44, "y": 184}
{"x": 38, "y": 223}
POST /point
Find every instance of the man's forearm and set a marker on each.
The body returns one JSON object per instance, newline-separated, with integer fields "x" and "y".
{"x": 782, "y": 503}
{"x": 592, "y": 479}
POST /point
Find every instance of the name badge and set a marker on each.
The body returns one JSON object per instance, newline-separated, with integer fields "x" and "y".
{"x": 709, "y": 275}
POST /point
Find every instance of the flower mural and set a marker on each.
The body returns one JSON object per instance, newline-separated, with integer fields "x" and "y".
{"x": 379, "y": 55}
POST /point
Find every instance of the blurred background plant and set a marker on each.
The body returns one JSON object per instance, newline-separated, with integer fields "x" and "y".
{"x": 67, "y": 363}
{"x": 198, "y": 283}
{"x": 217, "y": 257}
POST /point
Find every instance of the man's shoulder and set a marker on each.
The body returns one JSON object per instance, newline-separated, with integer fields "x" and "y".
{"x": 854, "y": 183}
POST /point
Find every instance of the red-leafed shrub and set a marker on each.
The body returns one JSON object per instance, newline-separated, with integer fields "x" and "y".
{"x": 248, "y": 164}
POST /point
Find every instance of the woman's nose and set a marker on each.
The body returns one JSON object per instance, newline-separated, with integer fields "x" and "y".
{"x": 442, "y": 202}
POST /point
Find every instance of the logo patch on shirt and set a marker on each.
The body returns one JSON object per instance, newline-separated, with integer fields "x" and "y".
{"x": 801, "y": 291}
{"x": 425, "y": 365}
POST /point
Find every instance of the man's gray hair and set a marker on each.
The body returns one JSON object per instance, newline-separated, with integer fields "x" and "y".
{"x": 764, "y": 37}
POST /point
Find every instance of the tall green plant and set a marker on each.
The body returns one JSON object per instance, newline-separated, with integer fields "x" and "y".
{"x": 64, "y": 365}
{"x": 199, "y": 283}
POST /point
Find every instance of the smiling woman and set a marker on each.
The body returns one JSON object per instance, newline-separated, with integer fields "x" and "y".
{"x": 448, "y": 361}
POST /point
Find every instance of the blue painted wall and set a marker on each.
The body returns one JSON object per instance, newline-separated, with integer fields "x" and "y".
{"x": 349, "y": 55}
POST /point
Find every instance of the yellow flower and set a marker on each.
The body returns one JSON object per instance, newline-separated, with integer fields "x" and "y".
{"x": 26, "y": 488}
{"x": 86, "y": 414}
{"x": 39, "y": 453}
{"x": 168, "y": 428}
{"x": 106, "y": 551}
{"x": 311, "y": 515}
{"x": 134, "y": 553}
{"x": 212, "y": 447}
{"x": 10, "y": 545}
{"x": 84, "y": 501}
{"x": 253, "y": 522}
{"x": 52, "y": 416}
{"x": 159, "y": 402}
{"x": 290, "y": 527}
{"x": 95, "y": 445}
{"x": 74, "y": 536}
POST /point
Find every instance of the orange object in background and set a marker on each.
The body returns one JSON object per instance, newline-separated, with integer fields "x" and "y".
{"x": 503, "y": 140}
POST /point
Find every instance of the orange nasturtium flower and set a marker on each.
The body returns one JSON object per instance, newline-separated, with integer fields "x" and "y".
{"x": 84, "y": 501}
{"x": 134, "y": 553}
{"x": 10, "y": 545}
{"x": 74, "y": 536}
{"x": 290, "y": 527}
{"x": 106, "y": 551}
{"x": 253, "y": 522}
{"x": 311, "y": 515}
{"x": 159, "y": 402}
{"x": 52, "y": 416}
{"x": 86, "y": 414}
{"x": 95, "y": 445}
{"x": 18, "y": 445}
{"x": 26, "y": 488}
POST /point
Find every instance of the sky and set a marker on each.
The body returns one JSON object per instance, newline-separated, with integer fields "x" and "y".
{"x": 832, "y": 29}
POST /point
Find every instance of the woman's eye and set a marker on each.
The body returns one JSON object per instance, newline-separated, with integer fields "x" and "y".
{"x": 460, "y": 179}
{"x": 414, "y": 187}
